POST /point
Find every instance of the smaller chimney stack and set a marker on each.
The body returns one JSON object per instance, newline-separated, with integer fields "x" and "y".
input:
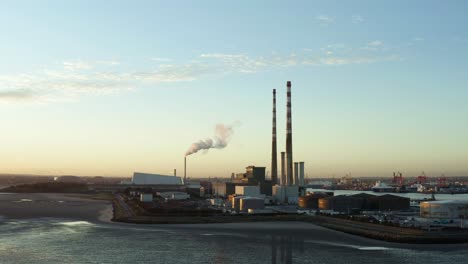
{"x": 283, "y": 167}
{"x": 301, "y": 173}
{"x": 296, "y": 173}
{"x": 185, "y": 169}
{"x": 175, "y": 172}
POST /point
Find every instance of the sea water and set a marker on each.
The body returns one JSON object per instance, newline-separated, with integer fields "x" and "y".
{"x": 50, "y": 240}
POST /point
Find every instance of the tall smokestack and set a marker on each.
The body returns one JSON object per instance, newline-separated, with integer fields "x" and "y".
{"x": 289, "y": 155}
{"x": 283, "y": 168}
{"x": 274, "y": 160}
{"x": 175, "y": 172}
{"x": 296, "y": 173}
{"x": 185, "y": 169}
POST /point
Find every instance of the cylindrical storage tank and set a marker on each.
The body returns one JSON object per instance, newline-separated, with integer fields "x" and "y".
{"x": 310, "y": 201}
{"x": 324, "y": 204}
{"x": 251, "y": 203}
{"x": 447, "y": 209}
{"x": 236, "y": 202}
{"x": 304, "y": 201}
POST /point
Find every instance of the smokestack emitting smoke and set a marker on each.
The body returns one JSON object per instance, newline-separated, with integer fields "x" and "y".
{"x": 220, "y": 140}
{"x": 289, "y": 156}
{"x": 274, "y": 160}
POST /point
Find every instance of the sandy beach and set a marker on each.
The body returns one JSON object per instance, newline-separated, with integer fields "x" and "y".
{"x": 57, "y": 205}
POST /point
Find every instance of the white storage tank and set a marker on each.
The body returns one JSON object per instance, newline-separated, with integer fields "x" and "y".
{"x": 449, "y": 209}
{"x": 180, "y": 196}
{"x": 251, "y": 203}
{"x": 236, "y": 202}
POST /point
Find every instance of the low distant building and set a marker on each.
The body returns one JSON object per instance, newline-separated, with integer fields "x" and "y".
{"x": 195, "y": 189}
{"x": 69, "y": 179}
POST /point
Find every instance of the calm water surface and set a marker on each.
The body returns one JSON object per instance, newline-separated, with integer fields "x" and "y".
{"x": 67, "y": 241}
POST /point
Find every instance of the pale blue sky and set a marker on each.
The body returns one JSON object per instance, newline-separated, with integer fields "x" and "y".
{"x": 112, "y": 87}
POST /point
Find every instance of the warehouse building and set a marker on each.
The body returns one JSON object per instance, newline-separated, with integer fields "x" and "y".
{"x": 140, "y": 178}
{"x": 342, "y": 204}
{"x": 364, "y": 202}
{"x": 387, "y": 202}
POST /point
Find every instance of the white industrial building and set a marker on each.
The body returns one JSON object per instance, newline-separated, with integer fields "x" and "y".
{"x": 286, "y": 194}
{"x": 448, "y": 209}
{"x": 155, "y": 179}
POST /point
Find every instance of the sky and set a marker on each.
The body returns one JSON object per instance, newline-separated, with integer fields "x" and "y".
{"x": 112, "y": 87}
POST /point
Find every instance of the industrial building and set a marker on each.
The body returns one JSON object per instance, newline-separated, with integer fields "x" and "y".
{"x": 342, "y": 204}
{"x": 286, "y": 194}
{"x": 252, "y": 191}
{"x": 155, "y": 179}
{"x": 364, "y": 202}
{"x": 223, "y": 189}
{"x": 251, "y": 203}
{"x": 444, "y": 209}
{"x": 253, "y": 176}
{"x": 388, "y": 202}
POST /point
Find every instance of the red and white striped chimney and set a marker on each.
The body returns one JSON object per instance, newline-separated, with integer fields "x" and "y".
{"x": 274, "y": 159}
{"x": 289, "y": 154}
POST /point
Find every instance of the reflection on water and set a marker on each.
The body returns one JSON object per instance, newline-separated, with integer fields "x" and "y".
{"x": 282, "y": 248}
{"x": 70, "y": 241}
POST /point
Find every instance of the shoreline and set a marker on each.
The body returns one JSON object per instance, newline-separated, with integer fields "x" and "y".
{"x": 86, "y": 207}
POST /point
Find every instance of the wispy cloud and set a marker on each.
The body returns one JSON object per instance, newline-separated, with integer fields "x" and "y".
{"x": 76, "y": 65}
{"x": 325, "y": 20}
{"x": 75, "y": 78}
{"x": 160, "y": 59}
{"x": 357, "y": 19}
{"x": 375, "y": 45}
{"x": 16, "y": 94}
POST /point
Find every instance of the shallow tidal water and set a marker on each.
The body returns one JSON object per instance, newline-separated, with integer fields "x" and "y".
{"x": 51, "y": 240}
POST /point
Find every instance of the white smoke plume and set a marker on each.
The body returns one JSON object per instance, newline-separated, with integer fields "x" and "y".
{"x": 220, "y": 140}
